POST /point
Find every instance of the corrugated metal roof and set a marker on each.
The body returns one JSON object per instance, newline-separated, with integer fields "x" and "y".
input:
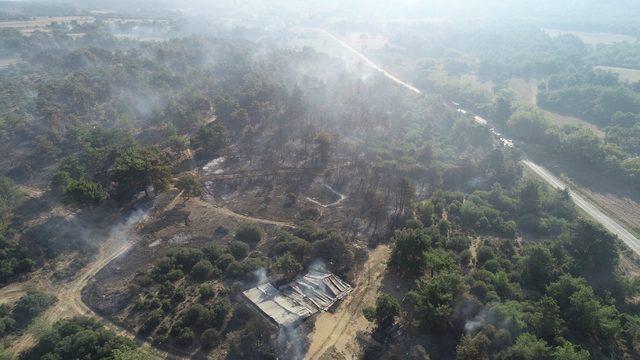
{"x": 303, "y": 297}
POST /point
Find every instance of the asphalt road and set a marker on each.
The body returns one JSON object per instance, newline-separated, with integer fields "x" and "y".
{"x": 628, "y": 238}
{"x": 589, "y": 207}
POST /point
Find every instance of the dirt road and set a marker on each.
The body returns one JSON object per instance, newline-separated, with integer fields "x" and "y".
{"x": 369, "y": 61}
{"x": 590, "y": 208}
{"x": 336, "y": 333}
{"x": 69, "y": 294}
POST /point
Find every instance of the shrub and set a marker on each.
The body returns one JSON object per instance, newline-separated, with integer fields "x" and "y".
{"x": 202, "y": 270}
{"x": 239, "y": 250}
{"x": 209, "y": 337}
{"x": 249, "y": 233}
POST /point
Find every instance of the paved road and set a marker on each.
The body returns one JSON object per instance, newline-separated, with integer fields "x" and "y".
{"x": 586, "y": 205}
{"x": 590, "y": 208}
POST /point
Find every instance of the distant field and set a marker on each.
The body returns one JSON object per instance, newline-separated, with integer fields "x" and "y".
{"x": 527, "y": 92}
{"x": 6, "y": 62}
{"x": 628, "y": 75}
{"x": 366, "y": 41}
{"x": 40, "y": 23}
{"x": 593, "y": 38}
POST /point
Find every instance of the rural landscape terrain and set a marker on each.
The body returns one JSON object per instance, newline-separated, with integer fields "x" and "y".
{"x": 319, "y": 180}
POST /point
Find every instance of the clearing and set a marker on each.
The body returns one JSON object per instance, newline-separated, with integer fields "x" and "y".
{"x": 527, "y": 91}
{"x": 592, "y": 38}
{"x": 625, "y": 74}
{"x": 335, "y": 334}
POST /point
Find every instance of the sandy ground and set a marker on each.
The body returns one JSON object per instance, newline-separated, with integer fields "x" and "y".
{"x": 335, "y": 334}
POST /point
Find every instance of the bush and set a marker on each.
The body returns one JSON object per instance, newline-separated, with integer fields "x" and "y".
{"x": 206, "y": 292}
{"x": 209, "y": 337}
{"x": 84, "y": 193}
{"x": 224, "y": 261}
{"x": 202, "y": 270}
{"x": 153, "y": 320}
{"x": 249, "y": 233}
{"x": 185, "y": 337}
{"x": 31, "y": 305}
{"x": 309, "y": 214}
{"x": 239, "y": 250}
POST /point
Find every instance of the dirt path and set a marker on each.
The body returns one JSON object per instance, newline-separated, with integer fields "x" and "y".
{"x": 337, "y": 332}
{"x": 227, "y": 212}
{"x": 69, "y": 294}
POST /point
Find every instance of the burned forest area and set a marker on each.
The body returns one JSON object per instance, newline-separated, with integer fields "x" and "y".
{"x": 319, "y": 180}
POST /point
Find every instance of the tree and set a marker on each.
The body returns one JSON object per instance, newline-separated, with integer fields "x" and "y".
{"x": 85, "y": 193}
{"x": 407, "y": 256}
{"x": 325, "y": 146}
{"x": 385, "y": 311}
{"x": 568, "y": 351}
{"x": 405, "y": 196}
{"x": 546, "y": 320}
{"x": 212, "y": 138}
{"x": 530, "y": 199}
{"x": 438, "y": 260}
{"x": 594, "y": 250}
{"x": 202, "y": 270}
{"x": 136, "y": 169}
{"x": 209, "y": 337}
{"x": 79, "y": 338}
{"x": 537, "y": 267}
{"x": 32, "y": 304}
{"x": 239, "y": 249}
{"x": 249, "y": 233}
{"x": 288, "y": 265}
{"x": 433, "y": 299}
{"x": 190, "y": 186}
{"x": 527, "y": 347}
{"x": 473, "y": 347}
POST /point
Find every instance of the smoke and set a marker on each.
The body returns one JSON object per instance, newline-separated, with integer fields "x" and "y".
{"x": 122, "y": 231}
{"x": 318, "y": 265}
{"x": 289, "y": 342}
{"x": 261, "y": 276}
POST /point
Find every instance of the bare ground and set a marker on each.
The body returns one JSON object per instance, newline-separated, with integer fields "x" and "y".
{"x": 335, "y": 334}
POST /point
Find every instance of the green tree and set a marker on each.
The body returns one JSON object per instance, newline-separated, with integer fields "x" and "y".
{"x": 136, "y": 169}
{"x": 433, "y": 299}
{"x": 190, "y": 186}
{"x": 385, "y": 311}
{"x": 568, "y": 351}
{"x": 249, "y": 233}
{"x": 212, "y": 138}
{"x": 84, "y": 193}
{"x": 407, "y": 256}
{"x": 288, "y": 265}
{"x": 527, "y": 347}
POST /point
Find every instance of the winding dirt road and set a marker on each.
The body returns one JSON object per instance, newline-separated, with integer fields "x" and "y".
{"x": 69, "y": 294}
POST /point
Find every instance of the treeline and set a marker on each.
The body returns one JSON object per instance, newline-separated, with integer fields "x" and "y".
{"x": 575, "y": 143}
{"x": 558, "y": 298}
{"x": 63, "y": 341}
{"x": 596, "y": 96}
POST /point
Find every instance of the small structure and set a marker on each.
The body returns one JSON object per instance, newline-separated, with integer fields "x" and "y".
{"x": 306, "y": 295}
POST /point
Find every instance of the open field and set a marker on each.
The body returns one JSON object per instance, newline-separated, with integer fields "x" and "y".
{"x": 8, "y": 62}
{"x": 40, "y": 23}
{"x": 628, "y": 75}
{"x": 527, "y": 90}
{"x": 366, "y": 41}
{"x": 593, "y": 38}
